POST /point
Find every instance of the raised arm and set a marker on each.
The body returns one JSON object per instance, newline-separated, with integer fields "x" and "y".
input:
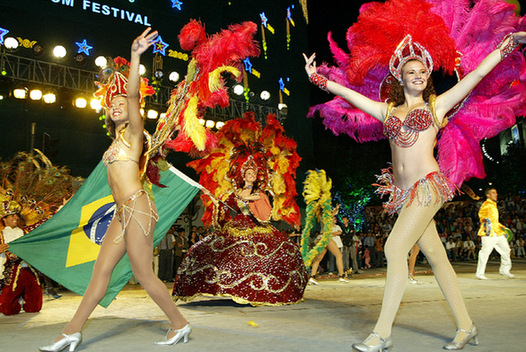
{"x": 459, "y": 91}
{"x": 369, "y": 106}
{"x": 139, "y": 46}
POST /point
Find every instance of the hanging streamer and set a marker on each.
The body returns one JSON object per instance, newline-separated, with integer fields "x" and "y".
{"x": 290, "y": 21}
{"x": 265, "y": 24}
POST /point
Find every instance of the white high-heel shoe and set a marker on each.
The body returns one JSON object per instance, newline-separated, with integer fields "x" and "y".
{"x": 472, "y": 334}
{"x": 72, "y": 341}
{"x": 183, "y": 333}
{"x": 384, "y": 345}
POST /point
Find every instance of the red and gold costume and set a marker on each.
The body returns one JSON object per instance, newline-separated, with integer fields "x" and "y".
{"x": 248, "y": 260}
{"x": 20, "y": 280}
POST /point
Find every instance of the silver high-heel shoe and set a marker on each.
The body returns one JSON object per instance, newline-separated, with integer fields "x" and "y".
{"x": 471, "y": 334}
{"x": 181, "y": 334}
{"x": 72, "y": 341}
{"x": 383, "y": 346}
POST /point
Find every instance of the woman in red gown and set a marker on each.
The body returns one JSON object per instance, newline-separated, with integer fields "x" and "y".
{"x": 248, "y": 259}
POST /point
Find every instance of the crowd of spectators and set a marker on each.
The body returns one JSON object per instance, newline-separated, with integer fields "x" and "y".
{"x": 457, "y": 224}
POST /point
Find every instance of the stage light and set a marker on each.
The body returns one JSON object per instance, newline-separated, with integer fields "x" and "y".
{"x": 158, "y": 74}
{"x": 202, "y": 122}
{"x": 210, "y": 123}
{"x": 20, "y": 92}
{"x": 49, "y": 97}
{"x": 59, "y": 51}
{"x": 265, "y": 95}
{"x": 95, "y": 104}
{"x": 38, "y": 50}
{"x": 81, "y": 102}
{"x": 11, "y": 43}
{"x": 152, "y": 114}
{"x": 2, "y": 97}
{"x": 238, "y": 89}
{"x": 142, "y": 69}
{"x": 173, "y": 76}
{"x": 101, "y": 62}
{"x": 219, "y": 124}
{"x": 80, "y": 59}
{"x": 35, "y": 94}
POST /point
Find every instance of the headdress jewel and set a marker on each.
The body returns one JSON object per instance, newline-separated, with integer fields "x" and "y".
{"x": 117, "y": 83}
{"x": 9, "y": 207}
{"x": 409, "y": 50}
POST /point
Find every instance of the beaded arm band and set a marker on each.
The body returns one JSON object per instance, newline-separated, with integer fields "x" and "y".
{"x": 319, "y": 80}
{"x": 509, "y": 47}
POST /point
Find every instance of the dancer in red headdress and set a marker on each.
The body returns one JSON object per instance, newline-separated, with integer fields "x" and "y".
{"x": 395, "y": 46}
{"x": 247, "y": 258}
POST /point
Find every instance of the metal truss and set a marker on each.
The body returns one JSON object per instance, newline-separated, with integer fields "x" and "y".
{"x": 54, "y": 75}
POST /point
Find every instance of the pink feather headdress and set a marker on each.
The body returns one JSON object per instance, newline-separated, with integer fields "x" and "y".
{"x": 458, "y": 34}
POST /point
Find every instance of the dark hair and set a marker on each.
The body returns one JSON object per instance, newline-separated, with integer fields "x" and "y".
{"x": 489, "y": 189}
{"x": 255, "y": 185}
{"x": 110, "y": 125}
{"x": 396, "y": 94}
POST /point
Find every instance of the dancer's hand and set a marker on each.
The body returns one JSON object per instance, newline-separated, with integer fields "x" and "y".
{"x": 310, "y": 64}
{"x": 520, "y": 37}
{"x": 144, "y": 41}
{"x": 3, "y": 247}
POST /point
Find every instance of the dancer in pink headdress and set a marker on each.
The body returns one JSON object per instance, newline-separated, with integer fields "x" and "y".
{"x": 395, "y": 46}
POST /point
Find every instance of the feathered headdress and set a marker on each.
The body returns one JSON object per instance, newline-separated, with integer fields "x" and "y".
{"x": 115, "y": 83}
{"x": 317, "y": 194}
{"x": 458, "y": 34}
{"x": 243, "y": 144}
{"x": 32, "y": 187}
{"x": 203, "y": 86}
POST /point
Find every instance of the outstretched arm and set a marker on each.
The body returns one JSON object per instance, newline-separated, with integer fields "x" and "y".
{"x": 369, "y": 106}
{"x": 139, "y": 46}
{"x": 452, "y": 97}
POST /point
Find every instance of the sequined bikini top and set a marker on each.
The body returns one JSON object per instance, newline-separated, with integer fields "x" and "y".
{"x": 405, "y": 134}
{"x": 116, "y": 151}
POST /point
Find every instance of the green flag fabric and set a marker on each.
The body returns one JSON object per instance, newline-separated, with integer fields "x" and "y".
{"x": 66, "y": 246}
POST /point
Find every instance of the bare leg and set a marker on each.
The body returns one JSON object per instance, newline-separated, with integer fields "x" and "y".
{"x": 316, "y": 262}
{"x": 434, "y": 250}
{"x": 140, "y": 251}
{"x": 110, "y": 254}
{"x": 333, "y": 248}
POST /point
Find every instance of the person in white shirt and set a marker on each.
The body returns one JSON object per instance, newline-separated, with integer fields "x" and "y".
{"x": 469, "y": 248}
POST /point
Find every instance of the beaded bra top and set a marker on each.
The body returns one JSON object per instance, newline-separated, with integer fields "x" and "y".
{"x": 405, "y": 134}
{"x": 116, "y": 151}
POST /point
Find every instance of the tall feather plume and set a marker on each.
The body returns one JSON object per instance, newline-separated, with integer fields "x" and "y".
{"x": 445, "y": 29}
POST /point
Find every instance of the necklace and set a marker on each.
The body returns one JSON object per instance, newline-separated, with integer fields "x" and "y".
{"x": 248, "y": 187}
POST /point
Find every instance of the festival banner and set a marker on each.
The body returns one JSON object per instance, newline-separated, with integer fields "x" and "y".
{"x": 65, "y": 247}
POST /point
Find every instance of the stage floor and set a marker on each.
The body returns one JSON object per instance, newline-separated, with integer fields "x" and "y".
{"x": 333, "y": 316}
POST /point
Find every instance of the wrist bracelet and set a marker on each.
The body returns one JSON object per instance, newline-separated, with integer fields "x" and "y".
{"x": 509, "y": 47}
{"x": 319, "y": 80}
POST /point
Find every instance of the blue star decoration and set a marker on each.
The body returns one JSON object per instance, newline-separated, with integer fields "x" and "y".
{"x": 176, "y": 3}
{"x": 84, "y": 47}
{"x": 248, "y": 65}
{"x": 2, "y": 33}
{"x": 159, "y": 46}
{"x": 264, "y": 19}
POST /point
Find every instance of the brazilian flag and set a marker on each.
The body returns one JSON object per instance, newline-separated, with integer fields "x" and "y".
{"x": 66, "y": 246}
